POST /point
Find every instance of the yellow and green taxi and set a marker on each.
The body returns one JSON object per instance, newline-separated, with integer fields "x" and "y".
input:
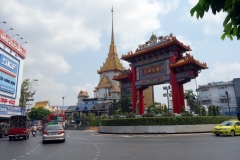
{"x": 231, "y": 127}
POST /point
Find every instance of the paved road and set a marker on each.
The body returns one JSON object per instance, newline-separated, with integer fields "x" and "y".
{"x": 85, "y": 145}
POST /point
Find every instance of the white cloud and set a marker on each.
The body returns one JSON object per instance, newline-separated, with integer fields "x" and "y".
{"x": 208, "y": 30}
{"x": 223, "y": 71}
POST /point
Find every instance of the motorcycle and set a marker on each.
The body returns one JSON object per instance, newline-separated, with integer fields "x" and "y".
{"x": 33, "y": 133}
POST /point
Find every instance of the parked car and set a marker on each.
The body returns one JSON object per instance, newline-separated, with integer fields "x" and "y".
{"x": 53, "y": 133}
{"x": 3, "y": 129}
{"x": 231, "y": 127}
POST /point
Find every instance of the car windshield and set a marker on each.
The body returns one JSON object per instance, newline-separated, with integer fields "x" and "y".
{"x": 54, "y": 128}
{"x": 227, "y": 123}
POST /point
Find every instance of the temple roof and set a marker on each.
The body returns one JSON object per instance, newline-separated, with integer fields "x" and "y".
{"x": 112, "y": 62}
{"x": 122, "y": 75}
{"x": 83, "y": 94}
{"x": 105, "y": 82}
{"x": 155, "y": 44}
{"x": 41, "y": 104}
{"x": 115, "y": 89}
{"x": 187, "y": 60}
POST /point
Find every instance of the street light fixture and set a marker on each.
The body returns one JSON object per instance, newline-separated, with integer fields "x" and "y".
{"x": 23, "y": 42}
{"x": 8, "y": 30}
{"x": 15, "y": 35}
{"x": 3, "y": 22}
{"x": 226, "y": 92}
{"x": 19, "y": 38}
{"x": 167, "y": 88}
{"x": 63, "y": 99}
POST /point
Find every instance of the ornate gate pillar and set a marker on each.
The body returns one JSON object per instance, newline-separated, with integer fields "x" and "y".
{"x": 174, "y": 84}
{"x": 134, "y": 91}
{"x": 181, "y": 94}
{"x": 141, "y": 101}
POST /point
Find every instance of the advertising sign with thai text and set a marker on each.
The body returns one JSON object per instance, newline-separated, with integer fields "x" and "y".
{"x": 12, "y": 44}
{"x": 11, "y": 110}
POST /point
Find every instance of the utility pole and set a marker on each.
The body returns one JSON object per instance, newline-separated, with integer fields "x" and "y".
{"x": 228, "y": 102}
{"x": 63, "y": 99}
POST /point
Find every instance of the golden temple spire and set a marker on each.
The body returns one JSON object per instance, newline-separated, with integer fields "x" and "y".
{"x": 112, "y": 38}
{"x": 112, "y": 62}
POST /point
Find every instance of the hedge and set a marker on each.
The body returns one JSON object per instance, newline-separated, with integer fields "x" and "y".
{"x": 146, "y": 121}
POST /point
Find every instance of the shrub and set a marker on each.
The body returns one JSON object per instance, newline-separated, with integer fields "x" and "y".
{"x": 131, "y": 115}
{"x": 149, "y": 115}
{"x": 169, "y": 114}
{"x": 186, "y": 120}
{"x": 186, "y": 114}
{"x": 116, "y": 116}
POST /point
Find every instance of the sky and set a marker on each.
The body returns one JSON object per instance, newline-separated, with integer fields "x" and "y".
{"x": 68, "y": 41}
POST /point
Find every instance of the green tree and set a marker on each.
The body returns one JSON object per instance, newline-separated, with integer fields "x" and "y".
{"x": 27, "y": 92}
{"x": 182, "y": 109}
{"x": 218, "y": 110}
{"x": 124, "y": 104}
{"x": 165, "y": 110}
{"x": 191, "y": 99}
{"x": 198, "y": 111}
{"x": 38, "y": 113}
{"x": 214, "y": 110}
{"x": 210, "y": 110}
{"x": 155, "y": 108}
{"x": 204, "y": 113}
{"x": 231, "y": 24}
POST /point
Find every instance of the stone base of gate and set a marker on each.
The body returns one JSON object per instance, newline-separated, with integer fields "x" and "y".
{"x": 157, "y": 129}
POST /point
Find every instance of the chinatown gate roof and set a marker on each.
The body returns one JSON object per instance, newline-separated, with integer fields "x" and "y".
{"x": 161, "y": 43}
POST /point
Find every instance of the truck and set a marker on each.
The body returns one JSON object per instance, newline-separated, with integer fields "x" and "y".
{"x": 18, "y": 127}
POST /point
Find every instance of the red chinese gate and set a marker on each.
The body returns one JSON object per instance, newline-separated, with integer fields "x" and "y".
{"x": 160, "y": 60}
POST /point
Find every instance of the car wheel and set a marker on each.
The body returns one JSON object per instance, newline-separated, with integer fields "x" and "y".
{"x": 217, "y": 134}
{"x": 43, "y": 142}
{"x": 10, "y": 138}
{"x": 63, "y": 140}
{"x": 232, "y": 133}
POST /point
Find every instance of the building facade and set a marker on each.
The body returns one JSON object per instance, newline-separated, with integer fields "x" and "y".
{"x": 12, "y": 57}
{"x": 222, "y": 94}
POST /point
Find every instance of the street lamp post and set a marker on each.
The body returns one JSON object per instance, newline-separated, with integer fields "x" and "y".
{"x": 228, "y": 103}
{"x": 23, "y": 42}
{"x": 167, "y": 88}
{"x": 15, "y": 35}
{"x": 63, "y": 99}
{"x": 19, "y": 38}
{"x": 8, "y": 30}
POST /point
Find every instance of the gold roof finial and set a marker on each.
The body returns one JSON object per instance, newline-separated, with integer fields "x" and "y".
{"x": 112, "y": 62}
{"x": 112, "y": 38}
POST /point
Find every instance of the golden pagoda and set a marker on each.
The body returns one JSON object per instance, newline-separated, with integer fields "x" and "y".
{"x": 112, "y": 62}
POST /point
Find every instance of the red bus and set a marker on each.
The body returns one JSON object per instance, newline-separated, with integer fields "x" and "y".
{"x": 54, "y": 118}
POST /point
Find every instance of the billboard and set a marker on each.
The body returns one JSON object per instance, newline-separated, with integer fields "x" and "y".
{"x": 11, "y": 110}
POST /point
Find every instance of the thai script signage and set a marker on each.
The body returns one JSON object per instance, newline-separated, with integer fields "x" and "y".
{"x": 7, "y": 101}
{"x": 8, "y": 41}
{"x": 11, "y": 110}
